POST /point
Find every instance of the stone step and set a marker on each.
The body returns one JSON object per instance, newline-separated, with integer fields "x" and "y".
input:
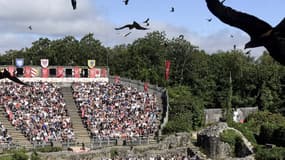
{"x": 80, "y": 132}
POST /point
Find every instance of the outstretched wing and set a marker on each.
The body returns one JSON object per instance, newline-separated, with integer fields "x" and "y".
{"x": 15, "y": 79}
{"x": 138, "y": 26}
{"x": 248, "y": 23}
{"x": 125, "y": 26}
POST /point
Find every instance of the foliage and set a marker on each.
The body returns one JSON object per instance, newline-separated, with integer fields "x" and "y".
{"x": 48, "y": 149}
{"x": 186, "y": 111}
{"x": 35, "y": 156}
{"x": 233, "y": 139}
{"x": 275, "y": 153}
{"x": 20, "y": 156}
{"x": 113, "y": 153}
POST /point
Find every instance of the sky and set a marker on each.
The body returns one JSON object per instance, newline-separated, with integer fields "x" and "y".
{"x": 55, "y": 19}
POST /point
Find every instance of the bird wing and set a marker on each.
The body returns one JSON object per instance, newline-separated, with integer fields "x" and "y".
{"x": 138, "y": 26}
{"x": 73, "y": 2}
{"x": 125, "y": 26}
{"x": 280, "y": 28}
{"x": 248, "y": 23}
{"x": 15, "y": 79}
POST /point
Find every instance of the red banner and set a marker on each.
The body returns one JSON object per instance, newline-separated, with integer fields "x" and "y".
{"x": 92, "y": 73}
{"x": 45, "y": 72}
{"x": 167, "y": 69}
{"x": 76, "y": 72}
{"x": 27, "y": 71}
{"x": 97, "y": 72}
{"x": 59, "y": 72}
{"x": 117, "y": 79}
{"x": 11, "y": 69}
{"x": 145, "y": 86}
{"x": 103, "y": 72}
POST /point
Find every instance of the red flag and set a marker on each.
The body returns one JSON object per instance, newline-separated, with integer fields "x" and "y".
{"x": 11, "y": 69}
{"x": 76, "y": 72}
{"x": 103, "y": 72}
{"x": 45, "y": 72}
{"x": 97, "y": 72}
{"x": 59, "y": 72}
{"x": 167, "y": 69}
{"x": 145, "y": 86}
{"x": 92, "y": 72}
{"x": 117, "y": 79}
{"x": 27, "y": 71}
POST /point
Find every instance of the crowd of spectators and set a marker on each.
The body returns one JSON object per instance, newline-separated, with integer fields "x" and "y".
{"x": 4, "y": 136}
{"x": 112, "y": 110}
{"x": 38, "y": 111}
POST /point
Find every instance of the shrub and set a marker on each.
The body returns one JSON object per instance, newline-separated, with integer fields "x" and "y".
{"x": 269, "y": 153}
{"x": 20, "y": 156}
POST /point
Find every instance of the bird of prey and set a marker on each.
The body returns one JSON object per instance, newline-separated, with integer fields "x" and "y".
{"x": 181, "y": 36}
{"x": 172, "y": 9}
{"x": 131, "y": 26}
{"x": 272, "y": 38}
{"x": 146, "y": 22}
{"x": 73, "y": 2}
{"x": 30, "y": 27}
{"x": 209, "y": 19}
{"x": 126, "y": 2}
{"x": 6, "y": 74}
{"x": 223, "y": 1}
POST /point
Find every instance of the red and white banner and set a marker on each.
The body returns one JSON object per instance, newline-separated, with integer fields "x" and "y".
{"x": 34, "y": 72}
{"x": 59, "y": 72}
{"x": 45, "y": 72}
{"x": 117, "y": 79}
{"x": 97, "y": 72}
{"x": 167, "y": 69}
{"x": 77, "y": 72}
{"x": 103, "y": 72}
{"x": 92, "y": 73}
{"x": 27, "y": 71}
{"x": 11, "y": 69}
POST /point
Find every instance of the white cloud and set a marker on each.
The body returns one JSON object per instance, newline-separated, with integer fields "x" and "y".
{"x": 56, "y": 19}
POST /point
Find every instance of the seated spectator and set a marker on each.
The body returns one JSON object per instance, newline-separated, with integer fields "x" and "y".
{"x": 39, "y": 112}
{"x": 116, "y": 111}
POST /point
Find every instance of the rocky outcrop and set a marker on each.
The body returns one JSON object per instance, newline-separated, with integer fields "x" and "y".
{"x": 209, "y": 140}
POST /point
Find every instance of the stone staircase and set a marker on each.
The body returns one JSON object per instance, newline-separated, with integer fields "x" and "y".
{"x": 17, "y": 136}
{"x": 81, "y": 133}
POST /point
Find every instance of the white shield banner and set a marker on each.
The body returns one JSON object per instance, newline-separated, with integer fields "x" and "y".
{"x": 44, "y": 63}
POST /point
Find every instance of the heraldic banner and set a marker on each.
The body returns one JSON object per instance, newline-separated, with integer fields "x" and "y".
{"x": 44, "y": 63}
{"x": 103, "y": 72}
{"x": 45, "y": 72}
{"x": 77, "y": 71}
{"x": 11, "y": 70}
{"x": 91, "y": 63}
{"x": 59, "y": 72}
{"x": 19, "y": 62}
{"x": 27, "y": 71}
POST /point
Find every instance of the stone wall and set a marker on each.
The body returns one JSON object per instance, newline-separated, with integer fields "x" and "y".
{"x": 214, "y": 115}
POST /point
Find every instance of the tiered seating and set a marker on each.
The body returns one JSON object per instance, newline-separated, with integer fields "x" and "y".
{"x": 39, "y": 111}
{"x": 116, "y": 111}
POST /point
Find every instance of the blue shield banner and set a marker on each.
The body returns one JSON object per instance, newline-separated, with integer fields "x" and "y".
{"x": 19, "y": 62}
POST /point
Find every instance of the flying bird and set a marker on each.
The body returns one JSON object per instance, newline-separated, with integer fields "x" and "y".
{"x": 131, "y": 26}
{"x": 172, "y": 9}
{"x": 30, "y": 27}
{"x": 248, "y": 52}
{"x": 146, "y": 22}
{"x": 6, "y": 74}
{"x": 126, "y": 2}
{"x": 272, "y": 38}
{"x": 232, "y": 36}
{"x": 209, "y": 19}
{"x": 73, "y": 2}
